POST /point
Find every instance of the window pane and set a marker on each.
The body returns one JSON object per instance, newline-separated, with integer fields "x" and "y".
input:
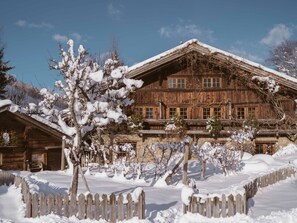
{"x": 183, "y": 113}
{"x": 138, "y": 111}
{"x": 172, "y": 112}
{"x": 216, "y": 82}
{"x": 171, "y": 83}
{"x": 251, "y": 111}
{"x": 240, "y": 113}
{"x": 217, "y": 112}
{"x": 149, "y": 113}
{"x": 206, "y": 113}
{"x": 207, "y": 82}
{"x": 180, "y": 83}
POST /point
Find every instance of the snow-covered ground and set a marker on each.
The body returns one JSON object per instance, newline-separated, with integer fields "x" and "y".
{"x": 276, "y": 203}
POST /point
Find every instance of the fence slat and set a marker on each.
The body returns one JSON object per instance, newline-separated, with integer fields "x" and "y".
{"x": 208, "y": 207}
{"x": 230, "y": 205}
{"x": 66, "y": 205}
{"x": 104, "y": 207}
{"x": 113, "y": 211}
{"x": 35, "y": 205}
{"x": 51, "y": 203}
{"x": 121, "y": 207}
{"x": 223, "y": 212}
{"x": 129, "y": 207}
{"x": 59, "y": 202}
{"x": 42, "y": 204}
{"x": 81, "y": 206}
{"x": 216, "y": 203}
{"x": 89, "y": 206}
{"x": 73, "y": 206}
{"x": 97, "y": 206}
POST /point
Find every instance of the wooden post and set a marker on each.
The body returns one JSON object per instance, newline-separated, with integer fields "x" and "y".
{"x": 42, "y": 204}
{"x": 216, "y": 204}
{"x": 51, "y": 203}
{"x": 185, "y": 164}
{"x": 66, "y": 205}
{"x": 63, "y": 154}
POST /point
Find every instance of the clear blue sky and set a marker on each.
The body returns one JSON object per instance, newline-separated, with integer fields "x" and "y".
{"x": 33, "y": 29}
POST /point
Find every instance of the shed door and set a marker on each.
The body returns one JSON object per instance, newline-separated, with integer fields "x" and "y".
{"x": 54, "y": 159}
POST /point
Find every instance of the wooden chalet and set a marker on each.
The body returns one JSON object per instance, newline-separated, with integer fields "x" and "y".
{"x": 34, "y": 144}
{"x": 197, "y": 82}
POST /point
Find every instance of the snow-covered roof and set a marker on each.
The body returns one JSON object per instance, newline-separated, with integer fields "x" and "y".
{"x": 7, "y": 105}
{"x": 195, "y": 45}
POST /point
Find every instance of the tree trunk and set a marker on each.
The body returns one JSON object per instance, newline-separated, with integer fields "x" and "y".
{"x": 203, "y": 169}
{"x": 74, "y": 183}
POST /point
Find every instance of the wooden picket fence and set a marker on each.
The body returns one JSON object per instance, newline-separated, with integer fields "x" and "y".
{"x": 229, "y": 205}
{"x": 112, "y": 208}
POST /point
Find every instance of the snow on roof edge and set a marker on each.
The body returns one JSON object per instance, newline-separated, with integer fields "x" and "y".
{"x": 212, "y": 50}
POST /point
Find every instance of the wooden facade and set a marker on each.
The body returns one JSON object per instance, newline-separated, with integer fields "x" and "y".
{"x": 197, "y": 82}
{"x": 35, "y": 143}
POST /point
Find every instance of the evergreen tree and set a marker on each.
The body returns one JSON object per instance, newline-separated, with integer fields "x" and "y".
{"x": 4, "y": 68}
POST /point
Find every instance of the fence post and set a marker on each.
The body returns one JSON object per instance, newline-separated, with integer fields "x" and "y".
{"x": 59, "y": 203}
{"x": 28, "y": 205}
{"x": 104, "y": 207}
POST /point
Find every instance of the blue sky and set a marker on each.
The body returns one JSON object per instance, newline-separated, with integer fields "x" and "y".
{"x": 33, "y": 29}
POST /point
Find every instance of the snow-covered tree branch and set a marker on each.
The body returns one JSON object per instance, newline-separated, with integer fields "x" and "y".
{"x": 95, "y": 97}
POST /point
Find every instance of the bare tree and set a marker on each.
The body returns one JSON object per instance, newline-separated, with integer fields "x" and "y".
{"x": 284, "y": 57}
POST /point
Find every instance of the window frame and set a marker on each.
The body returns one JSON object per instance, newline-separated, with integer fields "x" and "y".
{"x": 177, "y": 83}
{"x": 149, "y": 112}
{"x": 172, "y": 112}
{"x": 212, "y": 82}
{"x": 217, "y": 112}
{"x": 206, "y": 113}
{"x": 240, "y": 113}
{"x": 183, "y": 112}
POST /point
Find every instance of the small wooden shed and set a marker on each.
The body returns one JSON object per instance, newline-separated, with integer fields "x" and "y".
{"x": 28, "y": 142}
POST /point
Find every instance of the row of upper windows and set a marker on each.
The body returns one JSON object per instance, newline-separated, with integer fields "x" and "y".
{"x": 181, "y": 83}
{"x": 241, "y": 112}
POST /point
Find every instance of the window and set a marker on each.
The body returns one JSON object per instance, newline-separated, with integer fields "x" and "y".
{"x": 214, "y": 82}
{"x": 217, "y": 112}
{"x": 148, "y": 113}
{"x": 176, "y": 83}
{"x": 138, "y": 111}
{"x": 207, "y": 82}
{"x": 183, "y": 113}
{"x": 240, "y": 113}
{"x": 251, "y": 112}
{"x": 180, "y": 83}
{"x": 206, "y": 113}
{"x": 172, "y": 83}
{"x": 172, "y": 112}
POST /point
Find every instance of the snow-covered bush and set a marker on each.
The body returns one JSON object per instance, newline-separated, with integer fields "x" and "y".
{"x": 176, "y": 125}
{"x": 162, "y": 153}
{"x": 214, "y": 126}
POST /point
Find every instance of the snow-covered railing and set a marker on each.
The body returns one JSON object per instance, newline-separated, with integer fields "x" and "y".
{"x": 214, "y": 205}
{"x": 6, "y": 178}
{"x": 112, "y": 208}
